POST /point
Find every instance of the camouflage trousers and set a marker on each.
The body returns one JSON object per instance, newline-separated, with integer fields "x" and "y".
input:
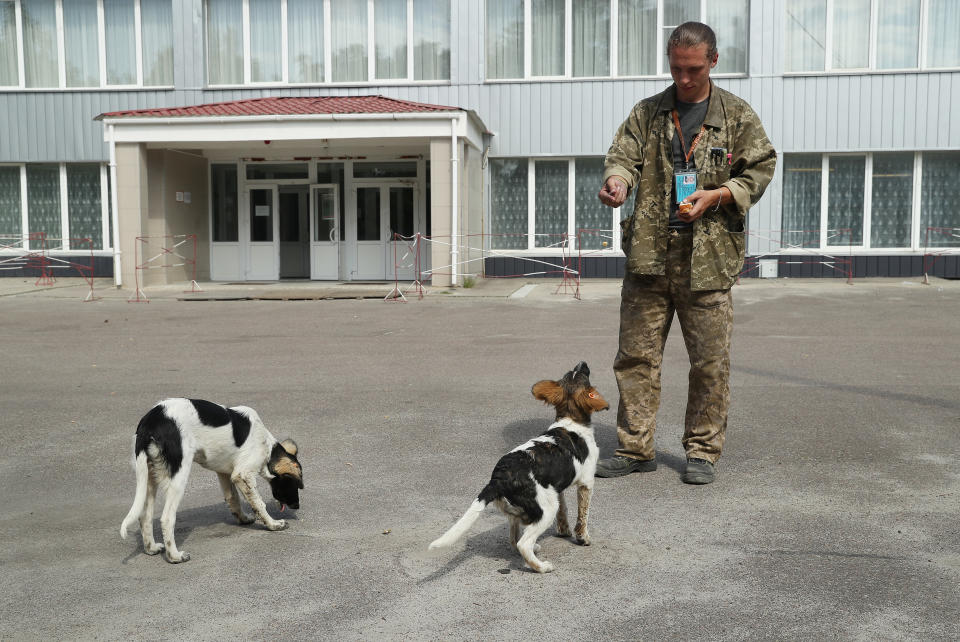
{"x": 706, "y": 319}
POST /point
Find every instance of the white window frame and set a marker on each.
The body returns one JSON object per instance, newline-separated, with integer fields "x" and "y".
{"x": 916, "y": 240}
{"x": 873, "y": 37}
{"x": 531, "y": 248}
{"x": 61, "y": 53}
{"x": 371, "y": 78}
{"x": 613, "y": 42}
{"x": 106, "y": 242}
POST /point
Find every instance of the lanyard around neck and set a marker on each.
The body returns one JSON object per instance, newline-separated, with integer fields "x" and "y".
{"x": 693, "y": 145}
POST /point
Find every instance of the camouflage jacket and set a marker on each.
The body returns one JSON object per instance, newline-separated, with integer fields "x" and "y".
{"x": 642, "y": 155}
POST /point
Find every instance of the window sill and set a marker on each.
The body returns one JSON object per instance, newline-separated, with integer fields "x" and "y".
{"x": 42, "y": 90}
{"x": 869, "y": 72}
{"x": 333, "y": 85}
{"x": 573, "y": 79}
{"x": 17, "y": 252}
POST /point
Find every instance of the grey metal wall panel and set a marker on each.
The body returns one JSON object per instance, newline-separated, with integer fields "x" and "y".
{"x": 904, "y": 111}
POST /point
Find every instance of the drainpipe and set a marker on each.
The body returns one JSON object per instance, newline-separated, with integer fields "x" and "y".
{"x": 114, "y": 216}
{"x": 454, "y": 218}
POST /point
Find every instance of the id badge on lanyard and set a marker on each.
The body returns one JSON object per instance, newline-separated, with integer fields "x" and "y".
{"x": 685, "y": 184}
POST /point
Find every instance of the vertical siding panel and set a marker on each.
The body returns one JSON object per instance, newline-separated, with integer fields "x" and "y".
{"x": 788, "y": 117}
{"x": 954, "y": 93}
{"x": 919, "y": 118}
{"x": 819, "y": 97}
{"x": 933, "y": 110}
{"x": 898, "y": 125}
{"x": 836, "y": 134}
{"x": 887, "y": 103}
{"x": 909, "y": 112}
{"x": 868, "y": 119}
{"x": 526, "y": 133}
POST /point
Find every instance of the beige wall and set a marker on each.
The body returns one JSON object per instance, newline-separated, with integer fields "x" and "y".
{"x": 440, "y": 210}
{"x": 185, "y": 172}
{"x": 131, "y": 206}
{"x": 147, "y": 186}
{"x": 470, "y": 219}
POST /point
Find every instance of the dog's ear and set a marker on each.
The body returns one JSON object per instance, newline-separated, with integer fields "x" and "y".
{"x": 548, "y": 391}
{"x": 290, "y": 446}
{"x": 590, "y": 399}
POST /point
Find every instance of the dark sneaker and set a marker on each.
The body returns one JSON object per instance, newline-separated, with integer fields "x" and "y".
{"x": 619, "y": 465}
{"x": 699, "y": 471}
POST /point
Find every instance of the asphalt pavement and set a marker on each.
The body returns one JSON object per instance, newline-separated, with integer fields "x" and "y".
{"x": 835, "y": 514}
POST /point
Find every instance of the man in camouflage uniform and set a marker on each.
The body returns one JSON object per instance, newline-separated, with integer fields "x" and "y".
{"x": 679, "y": 258}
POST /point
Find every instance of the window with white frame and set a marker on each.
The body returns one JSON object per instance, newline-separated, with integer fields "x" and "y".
{"x": 940, "y": 200}
{"x": 882, "y": 201}
{"x": 508, "y": 203}
{"x": 66, "y": 203}
{"x": 864, "y": 35}
{"x": 327, "y": 41}
{"x": 57, "y": 44}
{"x": 548, "y": 204}
{"x": 602, "y": 38}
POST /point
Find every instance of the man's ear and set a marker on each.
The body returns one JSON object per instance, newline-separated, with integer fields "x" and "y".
{"x": 548, "y": 391}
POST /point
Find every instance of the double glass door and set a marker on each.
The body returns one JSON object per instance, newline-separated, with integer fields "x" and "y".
{"x": 387, "y": 221}
{"x": 377, "y": 242}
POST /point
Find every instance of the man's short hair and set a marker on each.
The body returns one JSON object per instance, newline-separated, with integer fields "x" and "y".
{"x": 692, "y": 34}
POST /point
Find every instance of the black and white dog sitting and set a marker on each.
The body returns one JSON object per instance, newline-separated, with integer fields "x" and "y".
{"x": 232, "y": 442}
{"x": 528, "y": 482}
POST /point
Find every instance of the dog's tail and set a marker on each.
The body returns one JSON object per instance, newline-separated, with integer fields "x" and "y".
{"x": 463, "y": 524}
{"x": 141, "y": 468}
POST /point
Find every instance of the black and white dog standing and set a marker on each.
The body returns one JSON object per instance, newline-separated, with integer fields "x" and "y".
{"x": 527, "y": 483}
{"x": 233, "y": 442}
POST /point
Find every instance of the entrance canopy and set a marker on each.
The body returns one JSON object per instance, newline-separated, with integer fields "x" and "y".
{"x": 162, "y": 161}
{"x": 293, "y": 118}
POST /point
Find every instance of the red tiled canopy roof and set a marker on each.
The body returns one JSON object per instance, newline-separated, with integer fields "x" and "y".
{"x": 288, "y": 105}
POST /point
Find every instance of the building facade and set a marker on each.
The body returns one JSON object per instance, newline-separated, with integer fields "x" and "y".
{"x": 336, "y": 139}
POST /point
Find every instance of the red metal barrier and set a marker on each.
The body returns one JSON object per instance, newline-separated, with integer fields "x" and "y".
{"x": 38, "y": 258}
{"x": 166, "y": 248}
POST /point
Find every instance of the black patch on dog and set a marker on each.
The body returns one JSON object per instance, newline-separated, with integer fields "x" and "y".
{"x": 284, "y": 489}
{"x": 211, "y": 414}
{"x": 156, "y": 427}
{"x": 241, "y": 426}
{"x": 550, "y": 464}
{"x": 214, "y": 415}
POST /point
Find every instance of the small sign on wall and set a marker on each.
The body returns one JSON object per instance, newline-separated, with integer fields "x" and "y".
{"x": 186, "y": 197}
{"x": 262, "y": 210}
{"x": 179, "y": 197}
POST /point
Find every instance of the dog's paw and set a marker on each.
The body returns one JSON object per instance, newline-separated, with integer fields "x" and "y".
{"x": 563, "y": 530}
{"x": 183, "y": 557}
{"x": 279, "y": 525}
{"x": 244, "y": 519}
{"x": 583, "y": 540}
{"x": 545, "y": 567}
{"x": 153, "y": 549}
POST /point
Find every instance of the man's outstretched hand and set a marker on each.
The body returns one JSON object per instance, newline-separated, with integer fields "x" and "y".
{"x": 613, "y": 192}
